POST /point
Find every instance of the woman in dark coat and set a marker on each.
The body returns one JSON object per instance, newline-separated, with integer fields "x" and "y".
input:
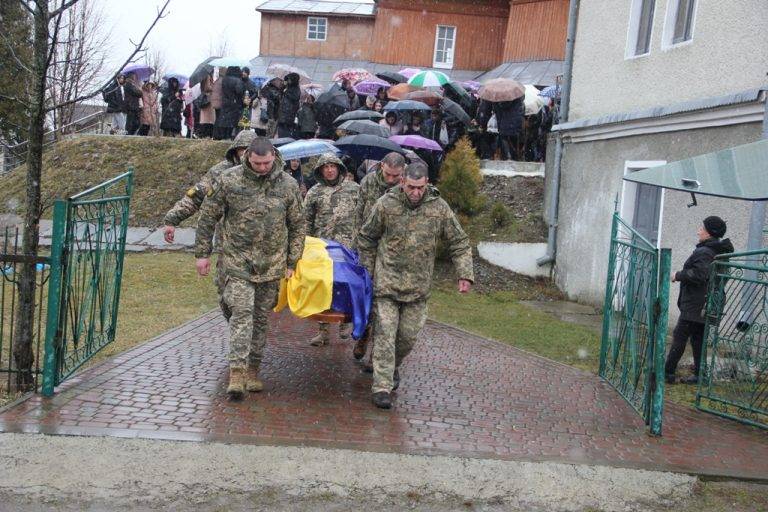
{"x": 289, "y": 107}
{"x": 232, "y": 93}
{"x": 509, "y": 118}
{"x": 172, "y": 105}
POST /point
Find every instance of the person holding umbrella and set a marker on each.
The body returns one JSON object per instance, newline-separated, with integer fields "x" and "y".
{"x": 148, "y": 109}
{"x": 114, "y": 97}
{"x": 289, "y": 106}
{"x": 205, "y": 105}
{"x": 391, "y": 123}
{"x": 172, "y": 104}
{"x": 232, "y": 92}
{"x": 132, "y": 104}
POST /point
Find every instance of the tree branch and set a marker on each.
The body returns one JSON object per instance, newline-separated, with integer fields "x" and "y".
{"x": 138, "y": 49}
{"x": 14, "y": 98}
{"x": 63, "y": 7}
{"x": 27, "y": 7}
{"x": 13, "y": 54}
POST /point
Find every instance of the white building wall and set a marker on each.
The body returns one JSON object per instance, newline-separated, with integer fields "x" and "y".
{"x": 728, "y": 53}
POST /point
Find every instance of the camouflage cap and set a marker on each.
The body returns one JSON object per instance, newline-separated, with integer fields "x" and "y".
{"x": 242, "y": 141}
{"x": 328, "y": 158}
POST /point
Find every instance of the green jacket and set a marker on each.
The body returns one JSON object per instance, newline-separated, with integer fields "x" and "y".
{"x": 262, "y": 229}
{"x": 331, "y": 208}
{"x": 398, "y": 244}
{"x": 372, "y": 187}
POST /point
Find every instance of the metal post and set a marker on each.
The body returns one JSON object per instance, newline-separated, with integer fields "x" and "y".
{"x": 607, "y": 305}
{"x": 54, "y": 296}
{"x": 657, "y": 399}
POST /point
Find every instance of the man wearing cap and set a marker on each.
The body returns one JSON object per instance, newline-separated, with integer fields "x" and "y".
{"x": 693, "y": 279}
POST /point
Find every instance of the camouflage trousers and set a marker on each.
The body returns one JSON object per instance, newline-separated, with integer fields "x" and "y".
{"x": 397, "y": 324}
{"x": 250, "y": 304}
{"x": 220, "y": 280}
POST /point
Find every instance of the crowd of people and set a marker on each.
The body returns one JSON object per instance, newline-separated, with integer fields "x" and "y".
{"x": 228, "y": 101}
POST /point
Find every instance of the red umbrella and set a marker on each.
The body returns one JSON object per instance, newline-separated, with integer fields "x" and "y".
{"x": 399, "y": 91}
{"x": 431, "y": 98}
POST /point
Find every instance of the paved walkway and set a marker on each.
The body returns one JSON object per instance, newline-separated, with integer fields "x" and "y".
{"x": 461, "y": 395}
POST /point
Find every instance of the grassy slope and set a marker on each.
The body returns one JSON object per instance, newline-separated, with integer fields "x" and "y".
{"x": 163, "y": 170}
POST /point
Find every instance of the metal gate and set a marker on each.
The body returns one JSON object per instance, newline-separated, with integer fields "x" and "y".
{"x": 635, "y": 321}
{"x": 88, "y": 246}
{"x": 734, "y": 361}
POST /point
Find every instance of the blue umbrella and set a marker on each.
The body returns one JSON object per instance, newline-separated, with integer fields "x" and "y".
{"x": 183, "y": 79}
{"x": 367, "y": 147}
{"x": 406, "y": 105}
{"x": 225, "y": 62}
{"x": 306, "y": 148}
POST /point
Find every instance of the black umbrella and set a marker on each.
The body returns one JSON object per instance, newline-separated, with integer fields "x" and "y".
{"x": 281, "y": 141}
{"x": 355, "y": 115}
{"x": 406, "y": 105}
{"x": 363, "y": 126}
{"x": 201, "y": 71}
{"x": 330, "y": 105}
{"x": 455, "y": 91}
{"x": 454, "y": 109}
{"x": 367, "y": 147}
{"x": 392, "y": 77}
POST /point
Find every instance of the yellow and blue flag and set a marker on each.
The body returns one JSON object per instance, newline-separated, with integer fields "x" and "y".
{"x": 328, "y": 277}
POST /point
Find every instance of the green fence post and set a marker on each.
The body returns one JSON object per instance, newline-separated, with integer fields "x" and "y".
{"x": 607, "y": 305}
{"x": 660, "y": 341}
{"x": 54, "y": 296}
{"x": 121, "y": 250}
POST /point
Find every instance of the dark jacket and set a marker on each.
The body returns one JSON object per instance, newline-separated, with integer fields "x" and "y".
{"x": 114, "y": 97}
{"x": 232, "y": 93}
{"x": 307, "y": 120}
{"x": 172, "y": 108}
{"x": 289, "y": 103}
{"x": 132, "y": 97}
{"x": 272, "y": 95}
{"x": 695, "y": 276}
{"x": 509, "y": 116}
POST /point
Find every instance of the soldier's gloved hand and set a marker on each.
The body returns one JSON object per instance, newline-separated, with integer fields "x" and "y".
{"x": 168, "y": 233}
{"x": 464, "y": 285}
{"x": 288, "y": 273}
{"x": 203, "y": 266}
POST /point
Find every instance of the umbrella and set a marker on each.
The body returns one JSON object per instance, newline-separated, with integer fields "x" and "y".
{"x": 370, "y": 86}
{"x": 368, "y": 115}
{"x": 183, "y": 79}
{"x": 471, "y": 85}
{"x": 553, "y": 91}
{"x": 351, "y": 74}
{"x": 399, "y": 91}
{"x": 192, "y": 94}
{"x": 406, "y": 105}
{"x": 429, "y": 79}
{"x": 334, "y": 96}
{"x": 416, "y": 141}
{"x": 281, "y": 70}
{"x": 330, "y": 105}
{"x": 392, "y": 77}
{"x": 409, "y": 72}
{"x": 281, "y": 141}
{"x": 259, "y": 81}
{"x": 201, "y": 71}
{"x": 431, "y": 98}
{"x": 142, "y": 71}
{"x": 533, "y": 102}
{"x": 363, "y": 126}
{"x": 455, "y": 91}
{"x": 226, "y": 62}
{"x": 501, "y": 89}
{"x": 306, "y": 148}
{"x": 454, "y": 109}
{"x": 313, "y": 90}
{"x": 367, "y": 147}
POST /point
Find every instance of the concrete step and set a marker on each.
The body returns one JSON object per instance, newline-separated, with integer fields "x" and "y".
{"x": 511, "y": 168}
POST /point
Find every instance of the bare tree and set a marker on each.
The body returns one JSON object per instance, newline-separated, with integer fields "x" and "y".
{"x": 78, "y": 58}
{"x": 47, "y": 17}
{"x": 155, "y": 58}
{"x": 220, "y": 47}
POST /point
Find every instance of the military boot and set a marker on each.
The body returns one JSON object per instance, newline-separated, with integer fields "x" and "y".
{"x": 236, "y": 387}
{"x": 252, "y": 382}
{"x": 322, "y": 337}
{"x": 396, "y": 379}
{"x": 382, "y": 400}
{"x": 362, "y": 345}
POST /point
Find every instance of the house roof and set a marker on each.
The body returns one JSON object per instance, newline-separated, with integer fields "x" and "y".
{"x": 321, "y": 70}
{"x": 536, "y": 72}
{"x": 317, "y": 7}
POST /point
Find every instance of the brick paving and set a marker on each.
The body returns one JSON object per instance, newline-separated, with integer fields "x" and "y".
{"x": 461, "y": 395}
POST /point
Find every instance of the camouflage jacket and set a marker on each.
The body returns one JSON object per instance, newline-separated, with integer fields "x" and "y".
{"x": 331, "y": 209}
{"x": 398, "y": 244}
{"x": 372, "y": 187}
{"x": 262, "y": 222}
{"x": 188, "y": 205}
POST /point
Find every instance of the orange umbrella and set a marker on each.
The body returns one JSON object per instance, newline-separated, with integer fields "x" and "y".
{"x": 501, "y": 89}
{"x": 431, "y": 98}
{"x": 399, "y": 91}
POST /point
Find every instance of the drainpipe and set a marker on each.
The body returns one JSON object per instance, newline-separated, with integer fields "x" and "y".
{"x": 565, "y": 99}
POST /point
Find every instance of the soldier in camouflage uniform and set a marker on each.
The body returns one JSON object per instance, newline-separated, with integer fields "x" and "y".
{"x": 262, "y": 237}
{"x": 330, "y": 209}
{"x": 188, "y": 205}
{"x": 397, "y": 245}
{"x": 375, "y": 184}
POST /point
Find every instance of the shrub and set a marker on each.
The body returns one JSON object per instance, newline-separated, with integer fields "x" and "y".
{"x": 460, "y": 179}
{"x": 500, "y": 216}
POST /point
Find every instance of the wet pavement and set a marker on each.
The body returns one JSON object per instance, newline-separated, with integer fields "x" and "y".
{"x": 461, "y": 395}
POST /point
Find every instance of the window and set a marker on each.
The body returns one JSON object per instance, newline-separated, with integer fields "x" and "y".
{"x": 317, "y": 29}
{"x": 641, "y": 204}
{"x": 445, "y": 42}
{"x": 640, "y": 27}
{"x": 683, "y": 21}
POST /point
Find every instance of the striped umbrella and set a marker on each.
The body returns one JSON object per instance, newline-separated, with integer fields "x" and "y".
{"x": 429, "y": 79}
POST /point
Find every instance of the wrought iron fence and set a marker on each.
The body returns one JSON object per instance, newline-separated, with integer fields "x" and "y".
{"x": 11, "y": 262}
{"x": 734, "y": 362}
{"x": 635, "y": 322}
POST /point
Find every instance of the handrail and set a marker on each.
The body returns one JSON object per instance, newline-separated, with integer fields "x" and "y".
{"x": 49, "y": 132}
{"x": 104, "y": 185}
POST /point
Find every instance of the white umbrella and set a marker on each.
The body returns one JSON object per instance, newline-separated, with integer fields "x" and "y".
{"x": 533, "y": 102}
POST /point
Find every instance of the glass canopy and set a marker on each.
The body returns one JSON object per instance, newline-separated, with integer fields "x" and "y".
{"x": 737, "y": 173}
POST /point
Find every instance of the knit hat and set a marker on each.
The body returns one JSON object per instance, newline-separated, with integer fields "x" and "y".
{"x": 715, "y": 226}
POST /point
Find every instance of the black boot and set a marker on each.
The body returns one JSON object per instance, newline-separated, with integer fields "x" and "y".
{"x": 382, "y": 400}
{"x": 396, "y": 379}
